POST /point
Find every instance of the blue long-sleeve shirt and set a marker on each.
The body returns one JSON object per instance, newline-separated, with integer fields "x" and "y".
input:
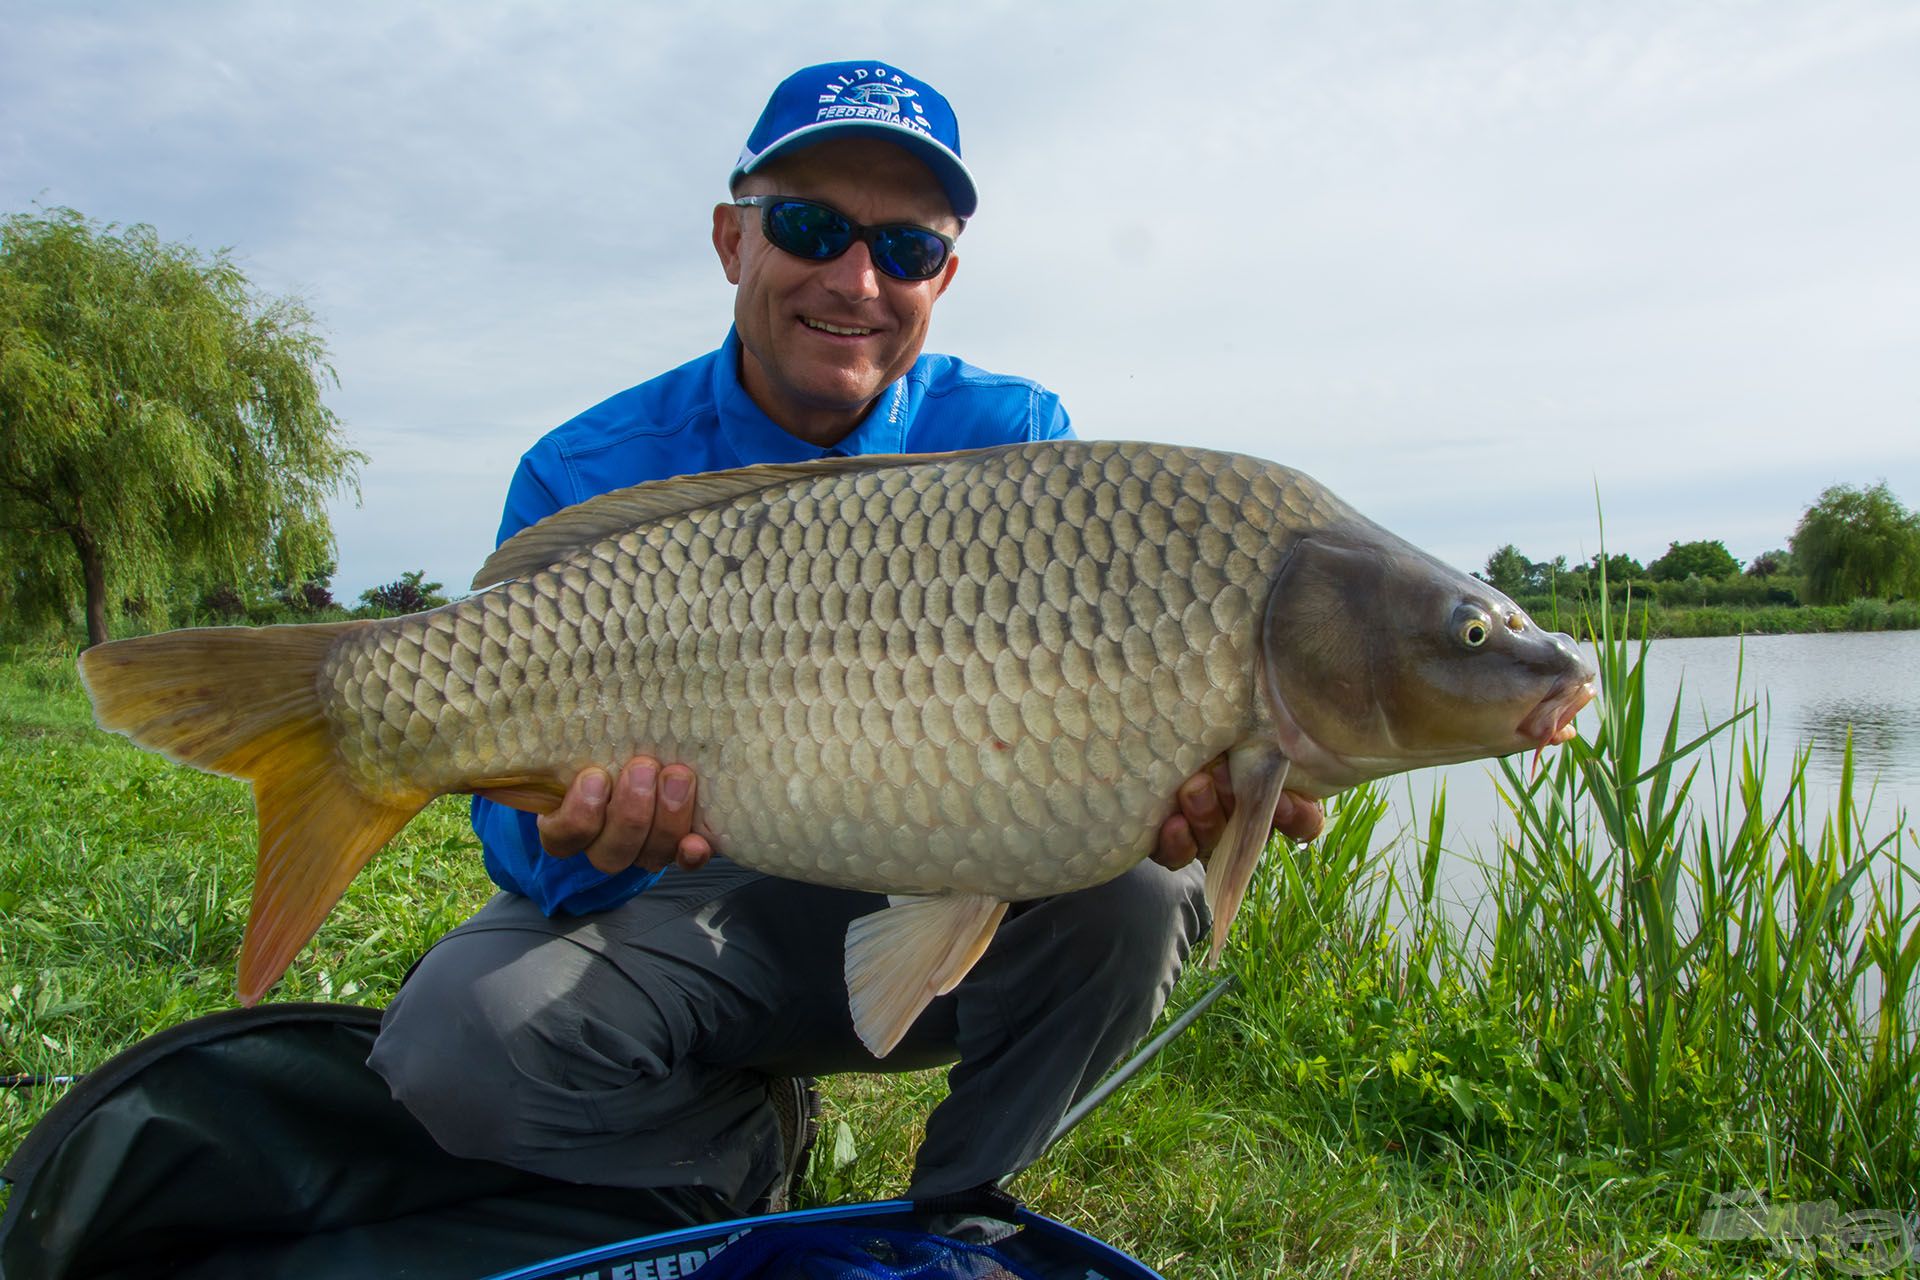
{"x": 699, "y": 418}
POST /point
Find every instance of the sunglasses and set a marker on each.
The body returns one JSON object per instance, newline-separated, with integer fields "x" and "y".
{"x": 821, "y": 233}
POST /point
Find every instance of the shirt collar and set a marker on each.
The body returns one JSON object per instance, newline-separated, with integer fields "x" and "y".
{"x": 754, "y": 437}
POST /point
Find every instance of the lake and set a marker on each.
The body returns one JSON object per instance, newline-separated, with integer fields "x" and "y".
{"x": 1811, "y": 688}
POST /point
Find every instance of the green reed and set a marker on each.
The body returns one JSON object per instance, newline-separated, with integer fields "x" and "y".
{"x": 1674, "y": 972}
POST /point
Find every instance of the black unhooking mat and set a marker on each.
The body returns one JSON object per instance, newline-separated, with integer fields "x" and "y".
{"x": 256, "y": 1143}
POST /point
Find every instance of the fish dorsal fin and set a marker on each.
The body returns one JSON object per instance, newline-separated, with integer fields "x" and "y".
{"x": 571, "y": 528}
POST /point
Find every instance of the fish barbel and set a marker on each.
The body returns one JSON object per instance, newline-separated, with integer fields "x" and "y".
{"x": 968, "y": 679}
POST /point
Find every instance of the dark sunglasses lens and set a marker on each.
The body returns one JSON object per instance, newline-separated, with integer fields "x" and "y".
{"x": 808, "y": 230}
{"x": 908, "y": 252}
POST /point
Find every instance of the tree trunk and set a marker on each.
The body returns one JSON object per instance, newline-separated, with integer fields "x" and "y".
{"x": 93, "y": 571}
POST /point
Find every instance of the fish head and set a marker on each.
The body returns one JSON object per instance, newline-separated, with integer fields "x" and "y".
{"x": 1378, "y": 658}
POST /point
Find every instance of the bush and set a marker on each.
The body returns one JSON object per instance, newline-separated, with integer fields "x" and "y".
{"x": 224, "y": 603}
{"x": 1882, "y": 615}
{"x": 1703, "y": 559}
{"x": 309, "y": 597}
{"x": 1757, "y": 598}
{"x": 410, "y": 594}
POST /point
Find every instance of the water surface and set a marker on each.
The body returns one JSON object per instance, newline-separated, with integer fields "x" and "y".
{"x": 1811, "y": 689}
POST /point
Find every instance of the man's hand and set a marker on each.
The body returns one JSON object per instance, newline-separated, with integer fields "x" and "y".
{"x": 1206, "y": 802}
{"x": 644, "y": 818}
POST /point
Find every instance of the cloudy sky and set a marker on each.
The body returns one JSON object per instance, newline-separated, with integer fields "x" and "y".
{"x": 1467, "y": 263}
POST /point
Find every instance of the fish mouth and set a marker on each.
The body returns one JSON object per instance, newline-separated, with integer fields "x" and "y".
{"x": 1551, "y": 721}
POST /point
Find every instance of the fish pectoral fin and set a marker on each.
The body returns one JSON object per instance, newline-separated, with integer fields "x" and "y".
{"x": 532, "y": 794}
{"x": 1259, "y": 774}
{"x": 900, "y": 958}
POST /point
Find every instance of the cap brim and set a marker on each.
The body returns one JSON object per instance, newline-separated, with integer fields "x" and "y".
{"x": 948, "y": 169}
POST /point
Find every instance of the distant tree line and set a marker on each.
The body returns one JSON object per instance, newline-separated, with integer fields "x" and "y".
{"x": 310, "y": 600}
{"x": 1852, "y": 543}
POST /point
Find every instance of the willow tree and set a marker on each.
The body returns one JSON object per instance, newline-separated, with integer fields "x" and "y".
{"x": 1858, "y": 542}
{"x": 158, "y": 417}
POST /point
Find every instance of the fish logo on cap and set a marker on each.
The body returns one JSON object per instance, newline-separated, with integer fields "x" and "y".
{"x": 872, "y": 95}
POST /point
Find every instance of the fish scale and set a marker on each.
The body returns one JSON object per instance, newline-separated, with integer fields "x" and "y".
{"x": 987, "y": 673}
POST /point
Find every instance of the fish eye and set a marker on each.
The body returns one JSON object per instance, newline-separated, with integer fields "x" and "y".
{"x": 1471, "y": 626}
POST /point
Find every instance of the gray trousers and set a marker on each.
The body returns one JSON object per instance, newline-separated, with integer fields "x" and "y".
{"x": 633, "y": 1047}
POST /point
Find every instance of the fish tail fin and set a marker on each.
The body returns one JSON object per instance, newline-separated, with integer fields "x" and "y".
{"x": 245, "y": 702}
{"x": 316, "y": 831}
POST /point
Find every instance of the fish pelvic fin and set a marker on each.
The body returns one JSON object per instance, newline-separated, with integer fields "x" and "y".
{"x": 245, "y": 702}
{"x": 1259, "y": 774}
{"x": 900, "y": 958}
{"x": 531, "y": 793}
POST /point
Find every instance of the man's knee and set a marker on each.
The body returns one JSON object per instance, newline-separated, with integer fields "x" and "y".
{"x": 486, "y": 1043}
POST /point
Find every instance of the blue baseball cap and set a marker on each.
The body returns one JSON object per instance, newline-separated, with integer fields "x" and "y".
{"x": 837, "y": 99}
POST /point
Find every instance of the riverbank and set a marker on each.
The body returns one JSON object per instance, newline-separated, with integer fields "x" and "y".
{"x": 1680, "y": 621}
{"x": 1563, "y": 1096}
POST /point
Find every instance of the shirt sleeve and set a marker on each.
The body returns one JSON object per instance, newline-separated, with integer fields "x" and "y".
{"x": 510, "y": 838}
{"x": 1050, "y": 420}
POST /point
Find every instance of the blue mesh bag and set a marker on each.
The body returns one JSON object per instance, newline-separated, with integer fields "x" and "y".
{"x": 852, "y": 1252}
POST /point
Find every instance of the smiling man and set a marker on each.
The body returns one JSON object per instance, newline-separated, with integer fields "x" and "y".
{"x": 602, "y": 1022}
{"x": 821, "y": 340}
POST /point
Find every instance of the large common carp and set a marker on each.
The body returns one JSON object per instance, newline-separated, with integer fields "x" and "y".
{"x": 969, "y": 678}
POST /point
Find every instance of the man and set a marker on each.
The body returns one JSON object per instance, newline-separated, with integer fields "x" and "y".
{"x": 600, "y": 1022}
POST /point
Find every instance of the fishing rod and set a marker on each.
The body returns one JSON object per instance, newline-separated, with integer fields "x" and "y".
{"x": 34, "y": 1082}
{"x": 1131, "y": 1067}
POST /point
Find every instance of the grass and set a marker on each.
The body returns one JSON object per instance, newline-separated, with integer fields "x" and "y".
{"x": 1677, "y": 985}
{"x": 123, "y": 891}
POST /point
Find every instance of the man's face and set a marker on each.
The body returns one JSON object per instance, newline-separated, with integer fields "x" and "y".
{"x": 820, "y": 340}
